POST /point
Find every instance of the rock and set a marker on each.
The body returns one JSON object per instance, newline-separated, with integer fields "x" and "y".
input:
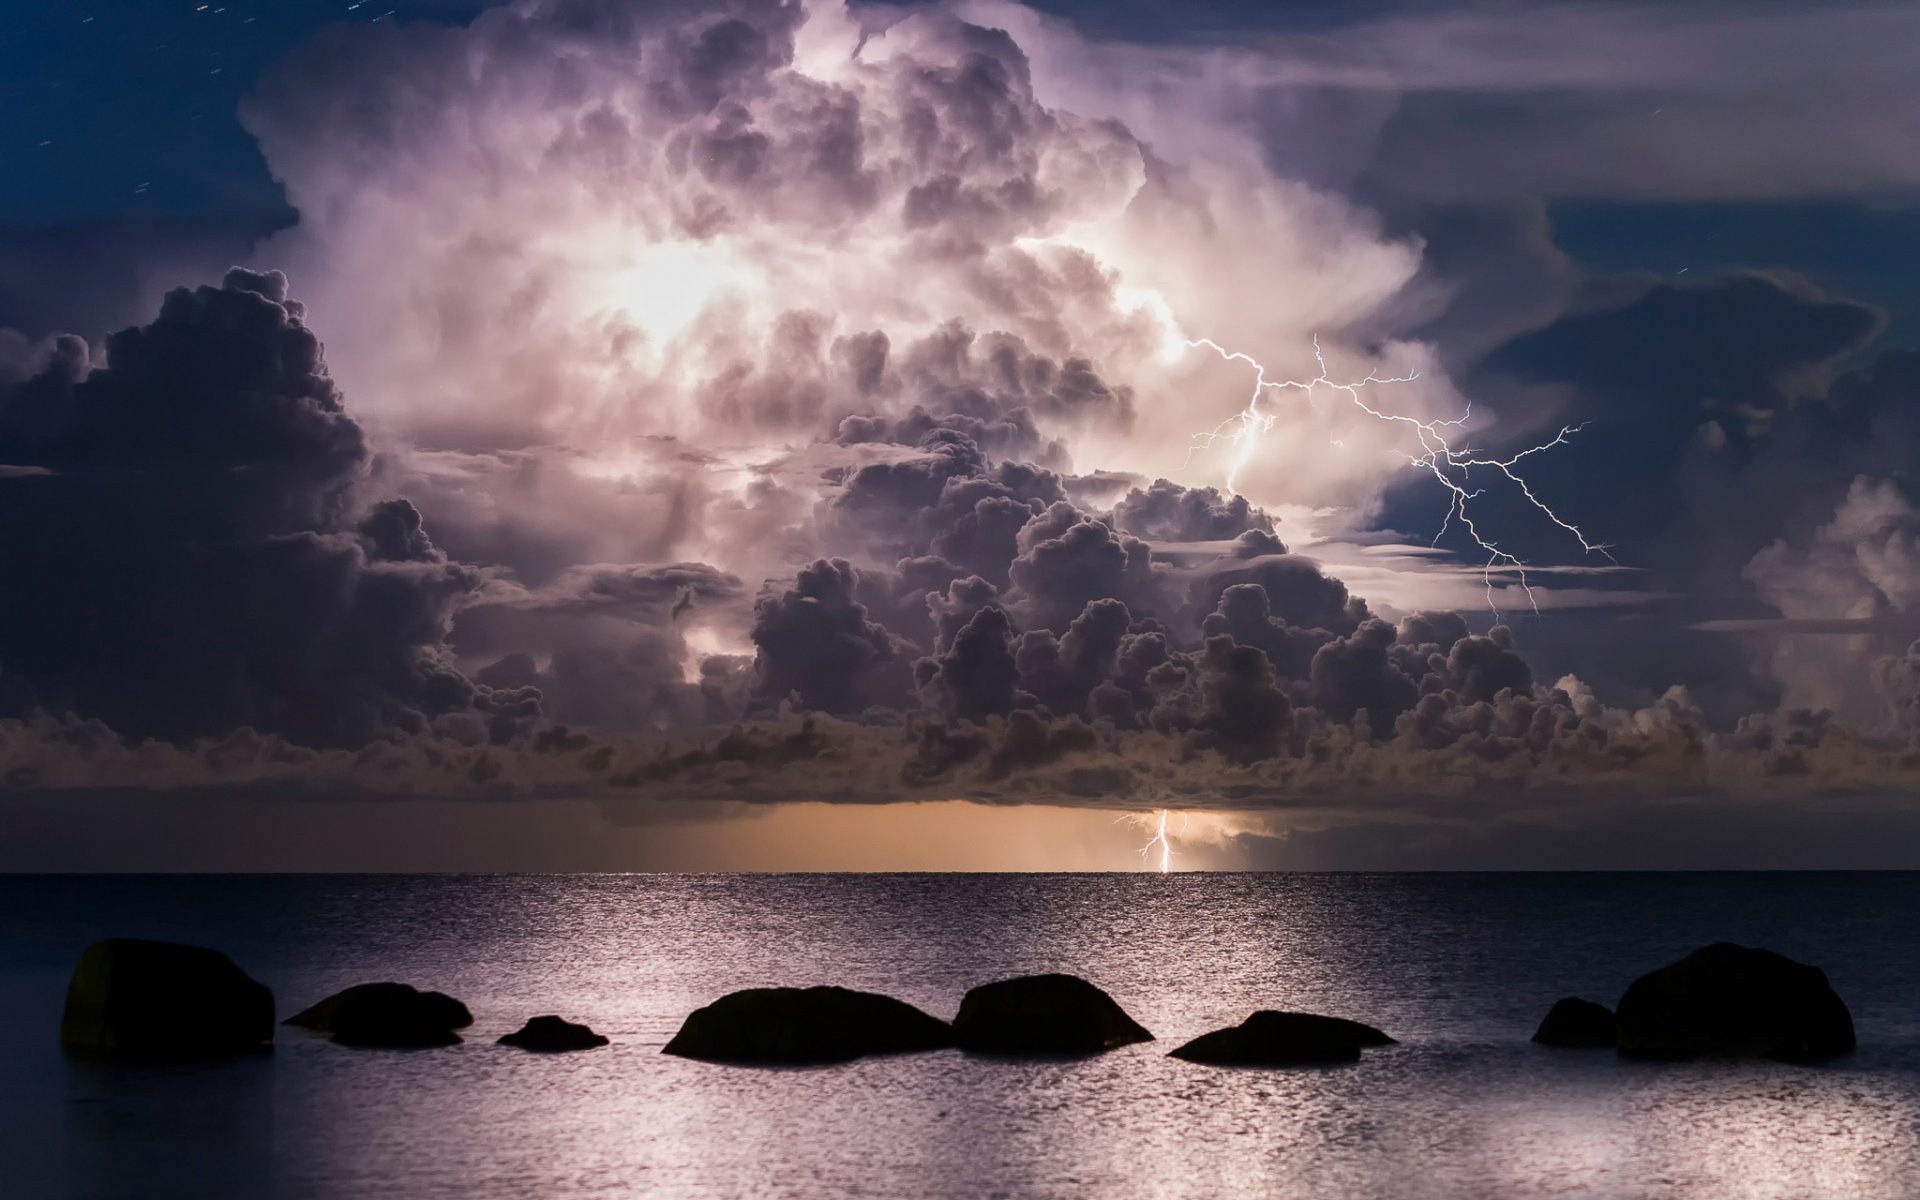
{"x": 387, "y": 1014}
{"x": 1043, "y": 1014}
{"x": 552, "y": 1035}
{"x": 806, "y": 1025}
{"x": 1576, "y": 1024}
{"x": 1728, "y": 1000}
{"x": 130, "y": 998}
{"x": 1270, "y": 1038}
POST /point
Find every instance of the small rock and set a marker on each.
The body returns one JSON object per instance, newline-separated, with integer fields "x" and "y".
{"x": 806, "y": 1025}
{"x": 1270, "y": 1038}
{"x": 1043, "y": 1015}
{"x": 1727, "y": 1000}
{"x": 1576, "y": 1024}
{"x": 551, "y": 1035}
{"x": 131, "y": 999}
{"x": 387, "y": 1014}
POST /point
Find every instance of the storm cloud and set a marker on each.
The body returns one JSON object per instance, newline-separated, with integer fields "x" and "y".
{"x": 187, "y": 559}
{"x": 755, "y": 402}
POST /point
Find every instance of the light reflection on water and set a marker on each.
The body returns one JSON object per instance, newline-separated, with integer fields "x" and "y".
{"x": 1458, "y": 967}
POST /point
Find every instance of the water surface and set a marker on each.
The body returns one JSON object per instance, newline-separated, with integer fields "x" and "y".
{"x": 1458, "y": 967}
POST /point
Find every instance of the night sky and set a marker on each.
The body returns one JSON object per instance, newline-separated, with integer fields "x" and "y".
{"x": 586, "y": 434}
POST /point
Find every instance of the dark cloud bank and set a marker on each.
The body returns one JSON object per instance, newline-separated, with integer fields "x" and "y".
{"x": 212, "y": 589}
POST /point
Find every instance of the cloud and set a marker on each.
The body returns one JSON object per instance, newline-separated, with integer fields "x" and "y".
{"x": 1678, "y": 381}
{"x": 1623, "y": 100}
{"x": 1068, "y": 560}
{"x": 1737, "y": 421}
{"x": 1286, "y": 655}
{"x": 191, "y": 561}
{"x": 1444, "y": 762}
{"x": 754, "y": 405}
{"x": 817, "y": 647}
{"x": 1857, "y": 575}
{"x": 1732, "y": 342}
{"x": 975, "y": 675}
{"x": 591, "y": 255}
{"x": 1658, "y": 101}
{"x": 1167, "y": 512}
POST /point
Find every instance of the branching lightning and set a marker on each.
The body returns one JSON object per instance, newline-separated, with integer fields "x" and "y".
{"x": 1160, "y": 839}
{"x": 1452, "y": 466}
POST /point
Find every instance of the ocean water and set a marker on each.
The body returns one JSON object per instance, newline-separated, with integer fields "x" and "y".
{"x": 1458, "y": 967}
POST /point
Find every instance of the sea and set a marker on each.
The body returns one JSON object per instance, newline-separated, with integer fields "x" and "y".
{"x": 1458, "y": 967}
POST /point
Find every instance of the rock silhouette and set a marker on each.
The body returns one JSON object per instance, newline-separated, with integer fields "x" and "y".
{"x": 785, "y": 1025}
{"x": 1728, "y": 1000}
{"x": 1269, "y": 1038}
{"x": 138, "y": 999}
{"x": 1576, "y": 1024}
{"x": 1043, "y": 1014}
{"x": 552, "y": 1035}
{"x": 387, "y": 1014}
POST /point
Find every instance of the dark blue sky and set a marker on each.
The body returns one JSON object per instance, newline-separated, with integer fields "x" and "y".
{"x": 123, "y": 109}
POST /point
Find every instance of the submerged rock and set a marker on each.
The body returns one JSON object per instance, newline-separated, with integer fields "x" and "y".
{"x": 552, "y": 1035}
{"x": 1043, "y": 1014}
{"x": 1269, "y": 1038}
{"x": 1728, "y": 1000}
{"x": 1576, "y": 1024}
{"x": 131, "y": 998}
{"x": 806, "y": 1025}
{"x": 387, "y": 1014}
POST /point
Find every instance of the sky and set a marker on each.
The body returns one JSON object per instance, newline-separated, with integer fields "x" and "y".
{"x": 740, "y": 434}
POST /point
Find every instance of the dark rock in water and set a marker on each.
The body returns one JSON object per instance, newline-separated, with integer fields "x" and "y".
{"x": 1270, "y": 1038}
{"x": 1043, "y": 1014}
{"x": 806, "y": 1025}
{"x": 387, "y": 1014}
{"x": 1728, "y": 1000}
{"x": 134, "y": 999}
{"x": 1576, "y": 1024}
{"x": 437, "y": 1007}
{"x": 551, "y": 1034}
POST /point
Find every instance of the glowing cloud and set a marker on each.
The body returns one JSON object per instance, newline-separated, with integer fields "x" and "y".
{"x": 666, "y": 286}
{"x": 689, "y": 235}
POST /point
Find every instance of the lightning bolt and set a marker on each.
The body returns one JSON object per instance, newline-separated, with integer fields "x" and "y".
{"x": 1451, "y": 465}
{"x": 1159, "y": 838}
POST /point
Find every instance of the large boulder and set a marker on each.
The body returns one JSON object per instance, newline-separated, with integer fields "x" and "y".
{"x": 1728, "y": 1000}
{"x": 131, "y": 999}
{"x": 806, "y": 1025}
{"x": 552, "y": 1035}
{"x": 1270, "y": 1038}
{"x": 1043, "y": 1014}
{"x": 1576, "y": 1024}
{"x": 387, "y": 1014}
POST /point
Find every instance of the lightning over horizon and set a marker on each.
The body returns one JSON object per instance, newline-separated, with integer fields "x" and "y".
{"x": 701, "y": 411}
{"x": 1160, "y": 838}
{"x": 1438, "y": 456}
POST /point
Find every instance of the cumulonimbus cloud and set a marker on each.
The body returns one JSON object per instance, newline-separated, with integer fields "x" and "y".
{"x": 759, "y": 401}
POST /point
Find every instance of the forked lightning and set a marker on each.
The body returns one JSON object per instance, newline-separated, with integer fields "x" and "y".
{"x": 1451, "y": 466}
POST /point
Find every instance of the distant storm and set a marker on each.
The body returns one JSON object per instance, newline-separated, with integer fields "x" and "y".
{"x": 753, "y": 403}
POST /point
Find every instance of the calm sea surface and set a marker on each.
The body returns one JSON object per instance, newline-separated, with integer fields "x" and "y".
{"x": 1458, "y": 967}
